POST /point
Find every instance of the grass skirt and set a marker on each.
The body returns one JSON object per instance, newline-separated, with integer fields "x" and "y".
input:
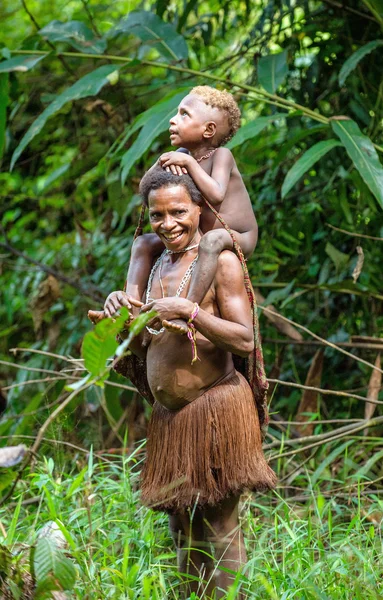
{"x": 206, "y": 451}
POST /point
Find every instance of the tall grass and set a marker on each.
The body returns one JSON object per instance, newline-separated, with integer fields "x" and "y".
{"x": 323, "y": 547}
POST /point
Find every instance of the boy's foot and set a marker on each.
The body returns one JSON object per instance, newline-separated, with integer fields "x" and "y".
{"x": 176, "y": 326}
{"x": 96, "y": 316}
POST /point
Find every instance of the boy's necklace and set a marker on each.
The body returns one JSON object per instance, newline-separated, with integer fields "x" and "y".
{"x": 208, "y": 155}
{"x": 184, "y": 280}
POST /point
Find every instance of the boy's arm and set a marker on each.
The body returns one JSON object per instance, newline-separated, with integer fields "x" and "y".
{"x": 213, "y": 187}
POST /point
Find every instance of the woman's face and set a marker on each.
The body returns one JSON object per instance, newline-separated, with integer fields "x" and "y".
{"x": 174, "y": 217}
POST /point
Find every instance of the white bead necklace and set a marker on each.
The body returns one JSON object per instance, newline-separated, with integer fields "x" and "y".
{"x": 184, "y": 280}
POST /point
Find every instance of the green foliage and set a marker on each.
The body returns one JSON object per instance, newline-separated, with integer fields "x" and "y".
{"x": 363, "y": 154}
{"x": 89, "y": 85}
{"x": 353, "y": 61}
{"x": 272, "y": 71}
{"x": 154, "y": 32}
{"x": 20, "y": 63}
{"x": 305, "y": 163}
{"x": 51, "y": 568}
{"x": 75, "y": 33}
{"x": 100, "y": 344}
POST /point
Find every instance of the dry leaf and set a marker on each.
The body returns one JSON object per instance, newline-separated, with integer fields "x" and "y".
{"x": 48, "y": 292}
{"x": 309, "y": 400}
{"x": 374, "y": 386}
{"x": 282, "y": 326}
{"x": 359, "y": 264}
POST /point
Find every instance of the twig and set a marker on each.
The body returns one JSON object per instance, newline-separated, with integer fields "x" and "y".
{"x": 353, "y": 234}
{"x": 34, "y": 369}
{"x": 326, "y": 342}
{"x": 43, "y": 352}
{"x": 364, "y": 345}
{"x": 31, "y": 381}
{"x": 328, "y": 438}
{"x": 90, "y": 291}
{"x": 349, "y": 9}
{"x": 35, "y": 23}
{"x": 324, "y": 391}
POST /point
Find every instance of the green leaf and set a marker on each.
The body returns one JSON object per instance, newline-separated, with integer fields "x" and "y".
{"x": 4, "y": 99}
{"x": 89, "y": 85}
{"x": 50, "y": 563}
{"x": 278, "y": 295}
{"x": 153, "y": 123}
{"x": 171, "y": 100}
{"x": 355, "y": 58}
{"x": 76, "y": 33}
{"x": 100, "y": 344}
{"x": 340, "y": 259}
{"x": 272, "y": 71}
{"x": 155, "y": 32}
{"x": 134, "y": 329}
{"x": 20, "y": 63}
{"x": 362, "y": 153}
{"x": 305, "y": 162}
{"x": 252, "y": 129}
{"x": 328, "y": 460}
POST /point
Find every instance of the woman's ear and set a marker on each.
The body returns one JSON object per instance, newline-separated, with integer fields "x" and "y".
{"x": 210, "y": 129}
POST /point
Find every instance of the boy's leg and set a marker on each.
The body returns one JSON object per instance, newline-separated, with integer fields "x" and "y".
{"x": 144, "y": 249}
{"x": 193, "y": 553}
{"x": 224, "y": 532}
{"x": 211, "y": 245}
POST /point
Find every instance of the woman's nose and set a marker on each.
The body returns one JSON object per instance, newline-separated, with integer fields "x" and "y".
{"x": 172, "y": 121}
{"x": 168, "y": 222}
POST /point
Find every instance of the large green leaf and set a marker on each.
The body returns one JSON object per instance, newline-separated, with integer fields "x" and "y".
{"x": 250, "y": 130}
{"x": 153, "y": 124}
{"x": 355, "y": 58}
{"x": 20, "y": 63}
{"x": 362, "y": 153}
{"x": 170, "y": 101}
{"x": 3, "y": 109}
{"x": 89, "y": 85}
{"x": 100, "y": 344}
{"x": 51, "y": 566}
{"x": 154, "y": 32}
{"x": 305, "y": 162}
{"x": 76, "y": 33}
{"x": 272, "y": 71}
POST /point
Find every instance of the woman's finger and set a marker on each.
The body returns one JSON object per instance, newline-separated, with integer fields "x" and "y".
{"x": 135, "y": 302}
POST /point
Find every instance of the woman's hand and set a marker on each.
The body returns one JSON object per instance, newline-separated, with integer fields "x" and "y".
{"x": 176, "y": 162}
{"x": 115, "y": 301}
{"x": 168, "y": 309}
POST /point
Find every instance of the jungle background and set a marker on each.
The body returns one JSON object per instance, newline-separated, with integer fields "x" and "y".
{"x": 86, "y": 92}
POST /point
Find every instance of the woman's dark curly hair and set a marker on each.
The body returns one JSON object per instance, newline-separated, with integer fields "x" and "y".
{"x": 157, "y": 177}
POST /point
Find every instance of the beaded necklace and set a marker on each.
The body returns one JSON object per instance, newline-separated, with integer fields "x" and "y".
{"x": 208, "y": 155}
{"x": 184, "y": 281}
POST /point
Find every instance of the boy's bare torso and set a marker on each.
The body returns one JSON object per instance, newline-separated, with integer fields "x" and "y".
{"x": 236, "y": 209}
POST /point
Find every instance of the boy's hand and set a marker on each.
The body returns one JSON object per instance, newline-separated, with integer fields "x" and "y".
{"x": 176, "y": 162}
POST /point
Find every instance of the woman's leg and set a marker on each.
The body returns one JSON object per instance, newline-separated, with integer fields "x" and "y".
{"x": 224, "y": 532}
{"x": 193, "y": 553}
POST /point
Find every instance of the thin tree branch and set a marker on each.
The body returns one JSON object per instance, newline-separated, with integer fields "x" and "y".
{"x": 353, "y": 234}
{"x": 325, "y": 342}
{"x": 90, "y": 290}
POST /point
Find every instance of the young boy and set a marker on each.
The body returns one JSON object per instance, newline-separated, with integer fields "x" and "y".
{"x": 206, "y": 119}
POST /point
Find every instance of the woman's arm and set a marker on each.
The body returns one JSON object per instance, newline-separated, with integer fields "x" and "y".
{"x": 213, "y": 187}
{"x": 233, "y": 330}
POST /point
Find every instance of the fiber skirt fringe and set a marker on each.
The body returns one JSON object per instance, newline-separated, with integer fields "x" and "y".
{"x": 206, "y": 451}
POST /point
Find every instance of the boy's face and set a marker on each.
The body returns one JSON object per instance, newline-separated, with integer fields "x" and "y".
{"x": 191, "y": 125}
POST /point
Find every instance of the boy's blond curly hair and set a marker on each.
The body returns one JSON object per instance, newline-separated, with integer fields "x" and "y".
{"x": 223, "y": 101}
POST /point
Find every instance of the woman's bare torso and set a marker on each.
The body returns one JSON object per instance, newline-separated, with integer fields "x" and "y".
{"x": 174, "y": 382}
